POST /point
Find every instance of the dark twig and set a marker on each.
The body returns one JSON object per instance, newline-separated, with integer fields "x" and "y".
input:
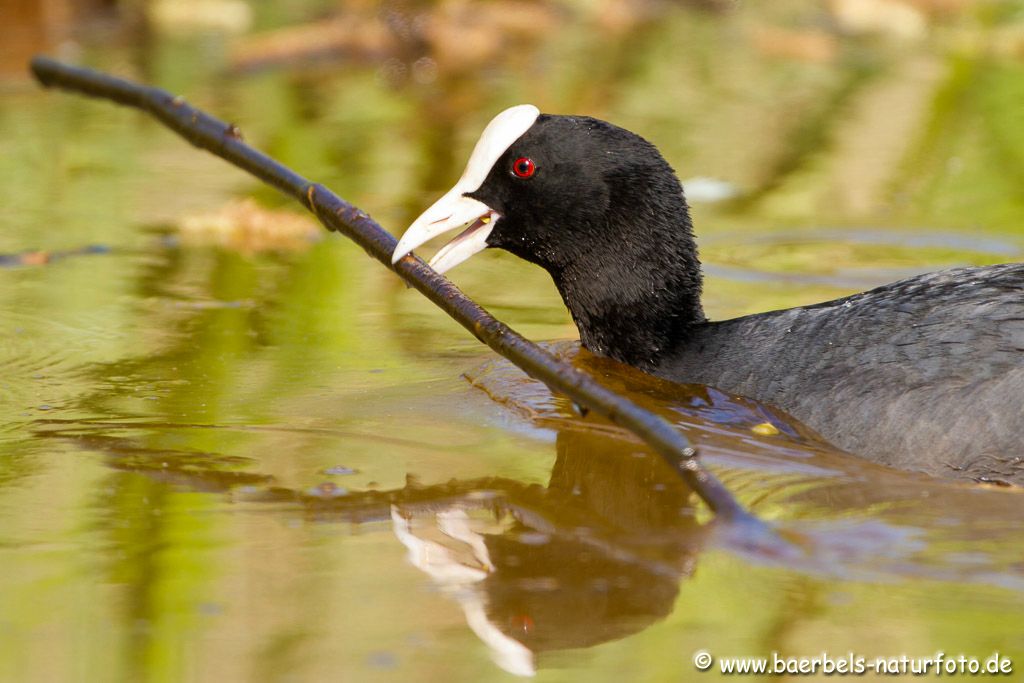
{"x": 223, "y": 140}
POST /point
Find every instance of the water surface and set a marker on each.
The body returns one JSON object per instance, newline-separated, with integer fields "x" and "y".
{"x": 225, "y": 460}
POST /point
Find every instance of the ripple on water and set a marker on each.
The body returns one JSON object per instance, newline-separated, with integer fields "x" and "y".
{"x": 854, "y": 518}
{"x": 46, "y": 363}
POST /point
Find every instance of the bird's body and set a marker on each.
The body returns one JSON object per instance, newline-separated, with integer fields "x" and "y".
{"x": 926, "y": 373}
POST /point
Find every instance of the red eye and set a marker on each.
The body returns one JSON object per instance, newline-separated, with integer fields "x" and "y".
{"x": 524, "y": 167}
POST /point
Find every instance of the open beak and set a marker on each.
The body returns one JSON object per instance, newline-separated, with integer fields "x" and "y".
{"x": 454, "y": 210}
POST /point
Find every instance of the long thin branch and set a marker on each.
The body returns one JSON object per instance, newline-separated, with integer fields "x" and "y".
{"x": 224, "y": 140}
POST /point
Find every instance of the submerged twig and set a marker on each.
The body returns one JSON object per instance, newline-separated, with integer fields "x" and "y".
{"x": 223, "y": 140}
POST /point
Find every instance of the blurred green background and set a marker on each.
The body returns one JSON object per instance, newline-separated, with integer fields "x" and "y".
{"x": 207, "y": 405}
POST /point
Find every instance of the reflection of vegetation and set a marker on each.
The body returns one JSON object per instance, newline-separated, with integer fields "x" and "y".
{"x": 968, "y": 161}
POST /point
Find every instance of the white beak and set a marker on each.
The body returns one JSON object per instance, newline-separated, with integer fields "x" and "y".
{"x": 448, "y": 213}
{"x": 455, "y": 209}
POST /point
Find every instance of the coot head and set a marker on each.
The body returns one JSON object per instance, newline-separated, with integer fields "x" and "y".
{"x": 593, "y": 204}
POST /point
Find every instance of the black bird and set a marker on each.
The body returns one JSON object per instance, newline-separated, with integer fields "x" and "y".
{"x": 926, "y": 373}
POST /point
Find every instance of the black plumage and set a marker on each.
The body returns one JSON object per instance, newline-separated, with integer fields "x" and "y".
{"x": 926, "y": 373}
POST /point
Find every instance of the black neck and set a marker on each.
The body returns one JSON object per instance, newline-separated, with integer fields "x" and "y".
{"x": 633, "y": 299}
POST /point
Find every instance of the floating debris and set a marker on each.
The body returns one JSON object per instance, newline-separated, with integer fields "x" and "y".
{"x": 245, "y": 226}
{"x": 765, "y": 429}
{"x": 39, "y": 257}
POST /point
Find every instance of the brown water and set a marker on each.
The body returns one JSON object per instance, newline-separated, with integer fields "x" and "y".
{"x": 223, "y": 462}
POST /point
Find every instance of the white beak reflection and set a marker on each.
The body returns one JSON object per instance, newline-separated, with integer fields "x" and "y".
{"x": 453, "y": 554}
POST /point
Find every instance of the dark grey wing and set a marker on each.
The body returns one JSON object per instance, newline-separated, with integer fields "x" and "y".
{"x": 925, "y": 373}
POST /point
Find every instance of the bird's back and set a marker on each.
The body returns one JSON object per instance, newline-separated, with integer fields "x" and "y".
{"x": 926, "y": 373}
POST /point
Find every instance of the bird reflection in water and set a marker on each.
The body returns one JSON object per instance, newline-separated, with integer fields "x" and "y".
{"x": 595, "y": 556}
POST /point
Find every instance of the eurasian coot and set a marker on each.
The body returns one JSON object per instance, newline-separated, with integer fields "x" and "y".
{"x": 926, "y": 373}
